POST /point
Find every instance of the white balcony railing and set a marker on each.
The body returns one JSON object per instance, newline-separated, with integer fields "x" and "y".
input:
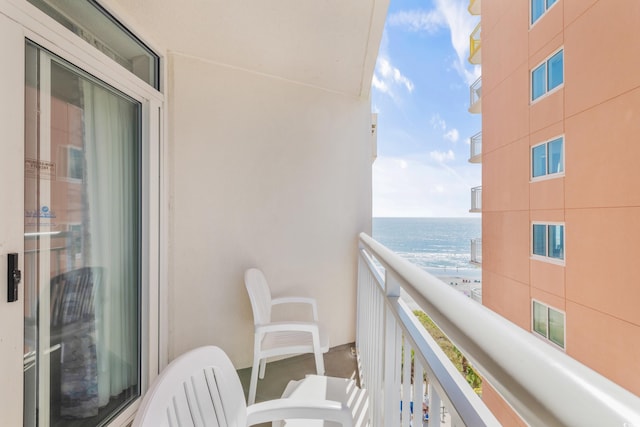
{"x": 476, "y": 251}
{"x": 543, "y": 385}
{"x": 475, "y": 97}
{"x": 475, "y": 148}
{"x": 476, "y": 199}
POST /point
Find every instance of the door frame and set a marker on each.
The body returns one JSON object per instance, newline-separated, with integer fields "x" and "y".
{"x": 19, "y": 21}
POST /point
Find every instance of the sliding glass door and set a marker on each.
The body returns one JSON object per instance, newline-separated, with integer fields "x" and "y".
{"x": 82, "y": 250}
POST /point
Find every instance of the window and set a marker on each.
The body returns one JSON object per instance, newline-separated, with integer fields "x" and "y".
{"x": 548, "y": 323}
{"x": 99, "y": 28}
{"x": 548, "y": 75}
{"x": 72, "y": 162}
{"x": 539, "y": 7}
{"x": 548, "y": 241}
{"x": 547, "y": 158}
{"x": 88, "y": 271}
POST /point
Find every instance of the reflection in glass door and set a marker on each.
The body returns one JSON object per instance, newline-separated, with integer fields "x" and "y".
{"x": 82, "y": 246}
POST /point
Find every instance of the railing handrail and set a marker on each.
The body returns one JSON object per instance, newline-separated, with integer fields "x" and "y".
{"x": 475, "y": 33}
{"x": 476, "y": 198}
{"x": 544, "y": 385}
{"x": 475, "y": 91}
{"x": 475, "y": 144}
{"x": 476, "y": 250}
{"x": 475, "y": 42}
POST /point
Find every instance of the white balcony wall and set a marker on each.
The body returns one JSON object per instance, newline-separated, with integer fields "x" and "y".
{"x": 260, "y": 167}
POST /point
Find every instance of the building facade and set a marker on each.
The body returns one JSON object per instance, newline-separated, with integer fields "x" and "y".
{"x": 560, "y": 208}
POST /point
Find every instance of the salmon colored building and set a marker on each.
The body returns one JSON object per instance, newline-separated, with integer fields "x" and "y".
{"x": 560, "y": 203}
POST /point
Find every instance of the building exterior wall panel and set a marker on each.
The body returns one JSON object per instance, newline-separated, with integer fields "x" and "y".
{"x": 547, "y": 111}
{"x": 547, "y": 28}
{"x": 601, "y": 61}
{"x": 506, "y": 43}
{"x": 502, "y": 169}
{"x": 547, "y": 194}
{"x": 509, "y": 298}
{"x": 548, "y": 277}
{"x": 507, "y": 249}
{"x": 503, "y": 412}
{"x": 573, "y": 9}
{"x": 602, "y": 154}
{"x": 605, "y": 343}
{"x": 505, "y": 119}
{"x": 603, "y": 269}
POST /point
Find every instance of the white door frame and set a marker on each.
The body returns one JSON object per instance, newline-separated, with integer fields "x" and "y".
{"x": 20, "y": 20}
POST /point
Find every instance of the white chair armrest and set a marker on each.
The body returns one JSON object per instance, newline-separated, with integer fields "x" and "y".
{"x": 282, "y": 409}
{"x": 298, "y": 300}
{"x": 288, "y": 326}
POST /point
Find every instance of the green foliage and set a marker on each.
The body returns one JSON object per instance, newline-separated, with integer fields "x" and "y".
{"x": 451, "y": 351}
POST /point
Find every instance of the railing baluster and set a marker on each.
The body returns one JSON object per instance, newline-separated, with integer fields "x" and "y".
{"x": 554, "y": 389}
{"x": 406, "y": 383}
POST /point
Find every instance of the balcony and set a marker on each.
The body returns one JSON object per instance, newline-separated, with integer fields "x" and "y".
{"x": 476, "y": 199}
{"x": 392, "y": 349}
{"x": 553, "y": 389}
{"x": 475, "y": 7}
{"x": 475, "y": 46}
{"x": 476, "y": 251}
{"x": 475, "y": 147}
{"x": 475, "y": 97}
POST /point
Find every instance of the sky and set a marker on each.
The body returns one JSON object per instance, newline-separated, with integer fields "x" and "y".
{"x": 420, "y": 90}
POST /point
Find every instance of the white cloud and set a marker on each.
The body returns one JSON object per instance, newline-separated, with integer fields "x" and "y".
{"x": 420, "y": 189}
{"x": 460, "y": 24}
{"x": 386, "y": 78}
{"x": 452, "y": 135}
{"x": 438, "y": 122}
{"x": 417, "y": 20}
{"x": 442, "y": 156}
{"x": 379, "y": 84}
{"x": 451, "y": 14}
{"x": 390, "y": 73}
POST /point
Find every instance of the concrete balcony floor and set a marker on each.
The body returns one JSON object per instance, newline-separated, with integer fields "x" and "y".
{"x": 339, "y": 361}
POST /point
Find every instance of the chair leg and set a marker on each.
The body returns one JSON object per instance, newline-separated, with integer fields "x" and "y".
{"x": 263, "y": 367}
{"x": 319, "y": 362}
{"x": 253, "y": 384}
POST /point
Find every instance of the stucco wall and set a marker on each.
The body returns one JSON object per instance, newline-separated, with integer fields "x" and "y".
{"x": 269, "y": 173}
{"x": 596, "y": 111}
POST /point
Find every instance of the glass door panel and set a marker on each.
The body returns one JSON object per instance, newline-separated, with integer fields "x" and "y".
{"x": 82, "y": 246}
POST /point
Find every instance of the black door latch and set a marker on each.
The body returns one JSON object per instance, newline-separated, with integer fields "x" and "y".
{"x": 14, "y": 276}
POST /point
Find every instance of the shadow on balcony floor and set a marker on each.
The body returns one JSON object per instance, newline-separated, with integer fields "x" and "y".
{"x": 340, "y": 361}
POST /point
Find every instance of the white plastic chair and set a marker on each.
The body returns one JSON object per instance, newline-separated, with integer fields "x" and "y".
{"x": 201, "y": 388}
{"x": 280, "y": 338}
{"x": 314, "y": 387}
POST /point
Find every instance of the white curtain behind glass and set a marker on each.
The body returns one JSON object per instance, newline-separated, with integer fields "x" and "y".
{"x": 110, "y": 127}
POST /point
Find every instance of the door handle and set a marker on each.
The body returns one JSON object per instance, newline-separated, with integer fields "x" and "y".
{"x": 14, "y": 276}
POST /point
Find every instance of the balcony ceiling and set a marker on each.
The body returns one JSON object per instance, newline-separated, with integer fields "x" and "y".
{"x": 330, "y": 44}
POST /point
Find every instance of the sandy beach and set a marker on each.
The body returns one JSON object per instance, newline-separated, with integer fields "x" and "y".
{"x": 464, "y": 285}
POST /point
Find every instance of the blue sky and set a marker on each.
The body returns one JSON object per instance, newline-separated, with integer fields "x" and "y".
{"x": 420, "y": 91}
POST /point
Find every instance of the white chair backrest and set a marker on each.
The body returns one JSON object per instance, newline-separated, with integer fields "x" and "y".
{"x": 199, "y": 388}
{"x": 259, "y": 294}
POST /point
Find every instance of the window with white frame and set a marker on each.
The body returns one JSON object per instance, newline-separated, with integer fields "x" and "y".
{"x": 539, "y": 7}
{"x": 548, "y": 241}
{"x": 548, "y": 323}
{"x": 547, "y": 158}
{"x": 548, "y": 75}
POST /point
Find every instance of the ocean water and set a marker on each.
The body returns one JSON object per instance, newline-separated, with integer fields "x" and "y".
{"x": 441, "y": 246}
